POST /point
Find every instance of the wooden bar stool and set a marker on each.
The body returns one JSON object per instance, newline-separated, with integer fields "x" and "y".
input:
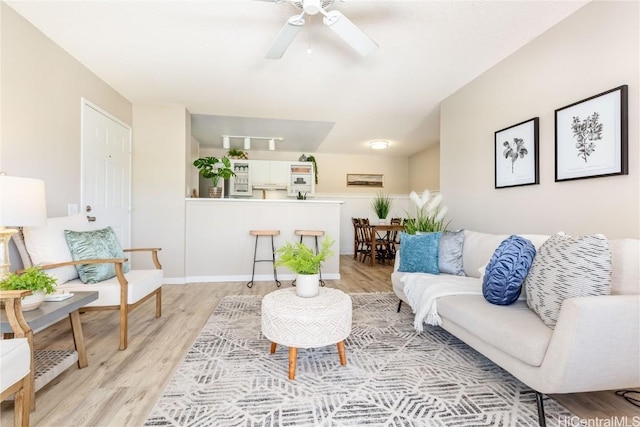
{"x": 315, "y": 234}
{"x": 259, "y": 233}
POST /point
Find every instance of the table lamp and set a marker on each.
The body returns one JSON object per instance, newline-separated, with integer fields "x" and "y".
{"x": 22, "y": 203}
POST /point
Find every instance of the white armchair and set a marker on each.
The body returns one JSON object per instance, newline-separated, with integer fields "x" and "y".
{"x": 16, "y": 359}
{"x": 47, "y": 247}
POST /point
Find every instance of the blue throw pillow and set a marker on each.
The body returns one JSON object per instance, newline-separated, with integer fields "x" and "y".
{"x": 419, "y": 253}
{"x": 505, "y": 273}
{"x": 95, "y": 244}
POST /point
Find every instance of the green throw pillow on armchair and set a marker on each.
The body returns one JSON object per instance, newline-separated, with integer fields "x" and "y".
{"x": 95, "y": 244}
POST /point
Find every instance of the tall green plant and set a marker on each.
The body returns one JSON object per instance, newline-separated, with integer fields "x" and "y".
{"x": 302, "y": 260}
{"x": 381, "y": 205}
{"x": 213, "y": 168}
{"x": 429, "y": 215}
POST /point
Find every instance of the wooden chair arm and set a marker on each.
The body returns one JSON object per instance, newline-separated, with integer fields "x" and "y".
{"x": 13, "y": 309}
{"x": 154, "y": 254}
{"x": 116, "y": 261}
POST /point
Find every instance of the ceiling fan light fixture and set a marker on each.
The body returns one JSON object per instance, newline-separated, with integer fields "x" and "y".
{"x": 225, "y": 142}
{"x": 378, "y": 144}
{"x": 247, "y": 143}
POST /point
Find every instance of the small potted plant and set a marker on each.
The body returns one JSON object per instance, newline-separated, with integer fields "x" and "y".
{"x": 236, "y": 153}
{"x": 32, "y": 279}
{"x": 306, "y": 264}
{"x": 213, "y": 168}
{"x": 381, "y": 205}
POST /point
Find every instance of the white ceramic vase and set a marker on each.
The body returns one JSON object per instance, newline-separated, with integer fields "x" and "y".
{"x": 308, "y": 285}
{"x": 33, "y": 301}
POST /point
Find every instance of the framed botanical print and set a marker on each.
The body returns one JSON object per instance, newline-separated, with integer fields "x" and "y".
{"x": 592, "y": 136}
{"x": 516, "y": 155}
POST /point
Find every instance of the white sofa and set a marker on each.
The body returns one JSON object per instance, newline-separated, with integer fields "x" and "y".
{"x": 594, "y": 346}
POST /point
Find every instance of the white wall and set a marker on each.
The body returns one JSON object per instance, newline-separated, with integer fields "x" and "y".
{"x": 40, "y": 104}
{"x": 424, "y": 169}
{"x": 160, "y": 136}
{"x": 593, "y": 50}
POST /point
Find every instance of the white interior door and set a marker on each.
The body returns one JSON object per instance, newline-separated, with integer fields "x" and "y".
{"x": 106, "y": 171}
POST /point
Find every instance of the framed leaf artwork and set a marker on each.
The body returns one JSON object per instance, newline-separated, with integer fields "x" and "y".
{"x": 592, "y": 136}
{"x": 516, "y": 155}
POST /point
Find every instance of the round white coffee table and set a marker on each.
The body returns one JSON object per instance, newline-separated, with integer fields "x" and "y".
{"x": 296, "y": 322}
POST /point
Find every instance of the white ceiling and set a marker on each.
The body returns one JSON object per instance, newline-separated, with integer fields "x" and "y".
{"x": 209, "y": 57}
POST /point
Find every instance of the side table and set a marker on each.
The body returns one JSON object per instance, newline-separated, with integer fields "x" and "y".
{"x": 296, "y": 322}
{"x": 51, "y": 363}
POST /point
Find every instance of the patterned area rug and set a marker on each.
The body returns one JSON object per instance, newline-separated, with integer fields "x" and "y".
{"x": 393, "y": 377}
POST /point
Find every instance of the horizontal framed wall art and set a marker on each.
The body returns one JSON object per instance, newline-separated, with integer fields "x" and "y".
{"x": 516, "y": 155}
{"x": 592, "y": 136}
{"x": 365, "y": 180}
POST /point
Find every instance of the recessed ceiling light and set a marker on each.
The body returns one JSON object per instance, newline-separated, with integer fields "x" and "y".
{"x": 378, "y": 144}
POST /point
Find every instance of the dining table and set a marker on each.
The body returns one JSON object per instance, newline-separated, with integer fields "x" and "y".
{"x": 379, "y": 228}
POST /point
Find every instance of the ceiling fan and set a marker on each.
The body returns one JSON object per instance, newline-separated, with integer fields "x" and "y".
{"x": 333, "y": 19}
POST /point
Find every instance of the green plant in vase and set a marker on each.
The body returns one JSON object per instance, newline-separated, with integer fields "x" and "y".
{"x": 32, "y": 279}
{"x": 305, "y": 263}
{"x": 381, "y": 205}
{"x": 213, "y": 168}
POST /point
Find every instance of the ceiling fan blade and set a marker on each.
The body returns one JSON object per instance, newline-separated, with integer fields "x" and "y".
{"x": 349, "y": 32}
{"x": 285, "y": 37}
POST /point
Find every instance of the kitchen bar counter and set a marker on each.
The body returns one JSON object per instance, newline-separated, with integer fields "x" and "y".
{"x": 220, "y": 249}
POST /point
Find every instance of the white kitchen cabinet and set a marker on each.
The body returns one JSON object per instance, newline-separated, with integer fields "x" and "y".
{"x": 269, "y": 172}
{"x": 301, "y": 179}
{"x": 241, "y": 184}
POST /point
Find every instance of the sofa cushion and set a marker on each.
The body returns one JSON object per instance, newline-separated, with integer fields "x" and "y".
{"x": 567, "y": 267}
{"x": 419, "y": 253}
{"x": 95, "y": 244}
{"x": 502, "y": 281}
{"x": 47, "y": 245}
{"x": 450, "y": 253}
{"x": 625, "y": 269}
{"x": 478, "y": 249}
{"x": 526, "y": 338}
{"x": 141, "y": 284}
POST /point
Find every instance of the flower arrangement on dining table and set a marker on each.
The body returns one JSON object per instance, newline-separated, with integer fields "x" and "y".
{"x": 430, "y": 214}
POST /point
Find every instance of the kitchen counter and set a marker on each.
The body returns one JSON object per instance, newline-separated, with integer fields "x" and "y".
{"x": 220, "y": 249}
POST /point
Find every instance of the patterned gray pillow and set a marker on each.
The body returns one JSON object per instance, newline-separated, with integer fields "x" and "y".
{"x": 450, "y": 252}
{"x": 567, "y": 267}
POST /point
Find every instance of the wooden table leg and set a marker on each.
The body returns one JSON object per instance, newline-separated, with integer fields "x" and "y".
{"x": 273, "y": 348}
{"x": 373, "y": 246}
{"x": 341, "y": 353}
{"x": 78, "y": 338}
{"x": 293, "y": 354}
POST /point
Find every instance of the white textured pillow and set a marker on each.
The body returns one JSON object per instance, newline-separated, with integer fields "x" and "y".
{"x": 567, "y": 267}
{"x": 47, "y": 245}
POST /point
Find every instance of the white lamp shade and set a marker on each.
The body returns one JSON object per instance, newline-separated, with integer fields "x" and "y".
{"x": 22, "y": 202}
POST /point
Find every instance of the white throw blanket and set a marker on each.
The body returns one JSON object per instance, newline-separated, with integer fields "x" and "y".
{"x": 423, "y": 290}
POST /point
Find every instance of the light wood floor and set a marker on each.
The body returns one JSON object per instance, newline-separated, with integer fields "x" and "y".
{"x": 119, "y": 388}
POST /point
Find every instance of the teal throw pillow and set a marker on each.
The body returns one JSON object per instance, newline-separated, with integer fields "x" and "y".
{"x": 95, "y": 244}
{"x": 419, "y": 253}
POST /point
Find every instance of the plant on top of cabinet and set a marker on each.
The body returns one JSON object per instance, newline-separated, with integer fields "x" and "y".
{"x": 315, "y": 166}
{"x": 236, "y": 153}
{"x": 213, "y": 168}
